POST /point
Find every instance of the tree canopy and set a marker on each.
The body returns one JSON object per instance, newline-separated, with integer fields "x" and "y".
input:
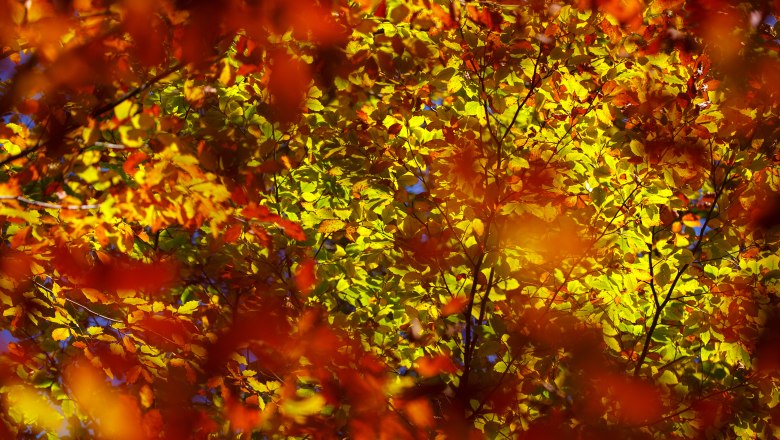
{"x": 389, "y": 219}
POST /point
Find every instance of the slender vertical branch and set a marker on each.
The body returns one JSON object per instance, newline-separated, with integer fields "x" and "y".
{"x": 650, "y": 250}
{"x": 696, "y": 248}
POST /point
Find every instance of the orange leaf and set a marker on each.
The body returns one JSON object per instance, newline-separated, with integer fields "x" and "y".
{"x": 60, "y": 334}
{"x": 133, "y": 160}
{"x": 259, "y": 212}
{"x": 431, "y": 366}
{"x": 691, "y": 220}
{"x": 288, "y": 85}
{"x": 455, "y": 305}
{"x": 419, "y": 412}
{"x": 117, "y": 414}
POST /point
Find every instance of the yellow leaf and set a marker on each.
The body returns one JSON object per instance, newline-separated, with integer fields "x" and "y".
{"x": 226, "y": 75}
{"x": 11, "y": 148}
{"x": 147, "y": 396}
{"x": 299, "y": 409}
{"x": 193, "y": 93}
{"x": 478, "y": 227}
{"x": 60, "y": 334}
{"x": 681, "y": 240}
{"x": 331, "y": 225}
{"x": 198, "y": 351}
{"x": 116, "y": 349}
{"x": 90, "y": 157}
{"x": 188, "y": 307}
{"x": 123, "y": 110}
{"x": 29, "y": 407}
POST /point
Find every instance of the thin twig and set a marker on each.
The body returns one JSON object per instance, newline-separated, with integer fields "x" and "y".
{"x": 112, "y": 146}
{"x": 100, "y": 111}
{"x": 74, "y": 302}
{"x": 47, "y": 205}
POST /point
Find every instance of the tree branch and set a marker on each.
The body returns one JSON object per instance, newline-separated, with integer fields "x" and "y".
{"x": 76, "y": 303}
{"x": 697, "y": 247}
{"x": 100, "y": 111}
{"x": 47, "y": 205}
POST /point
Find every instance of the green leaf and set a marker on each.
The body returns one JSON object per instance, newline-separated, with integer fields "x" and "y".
{"x": 474, "y": 108}
{"x": 314, "y": 105}
{"x": 667, "y": 378}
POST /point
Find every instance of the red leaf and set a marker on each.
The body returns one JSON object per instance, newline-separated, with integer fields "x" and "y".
{"x": 259, "y": 212}
{"x": 133, "y": 160}
{"x": 395, "y": 129}
{"x": 233, "y": 233}
{"x": 305, "y": 276}
{"x": 292, "y": 229}
{"x": 381, "y": 9}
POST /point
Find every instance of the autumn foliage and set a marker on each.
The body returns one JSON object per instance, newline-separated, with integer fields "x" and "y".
{"x": 391, "y": 219}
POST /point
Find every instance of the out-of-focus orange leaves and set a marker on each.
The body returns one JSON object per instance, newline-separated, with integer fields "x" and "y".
{"x": 486, "y": 17}
{"x": 381, "y": 9}
{"x": 15, "y": 264}
{"x": 287, "y": 84}
{"x": 113, "y": 273}
{"x": 636, "y": 402}
{"x": 146, "y": 29}
{"x": 463, "y": 165}
{"x": 164, "y": 328}
{"x": 146, "y": 395}
{"x": 116, "y": 415}
{"x": 153, "y": 424}
{"x": 419, "y": 412}
{"x": 258, "y": 212}
{"x": 26, "y": 404}
{"x": 267, "y": 325}
{"x": 242, "y": 417}
{"x": 305, "y": 276}
{"x": 545, "y": 232}
{"x": 429, "y": 366}
{"x": 387, "y": 427}
{"x": 627, "y": 12}
{"x": 455, "y": 305}
{"x": 553, "y": 427}
{"x": 767, "y": 347}
{"x": 299, "y": 409}
{"x": 765, "y": 214}
{"x": 425, "y": 248}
